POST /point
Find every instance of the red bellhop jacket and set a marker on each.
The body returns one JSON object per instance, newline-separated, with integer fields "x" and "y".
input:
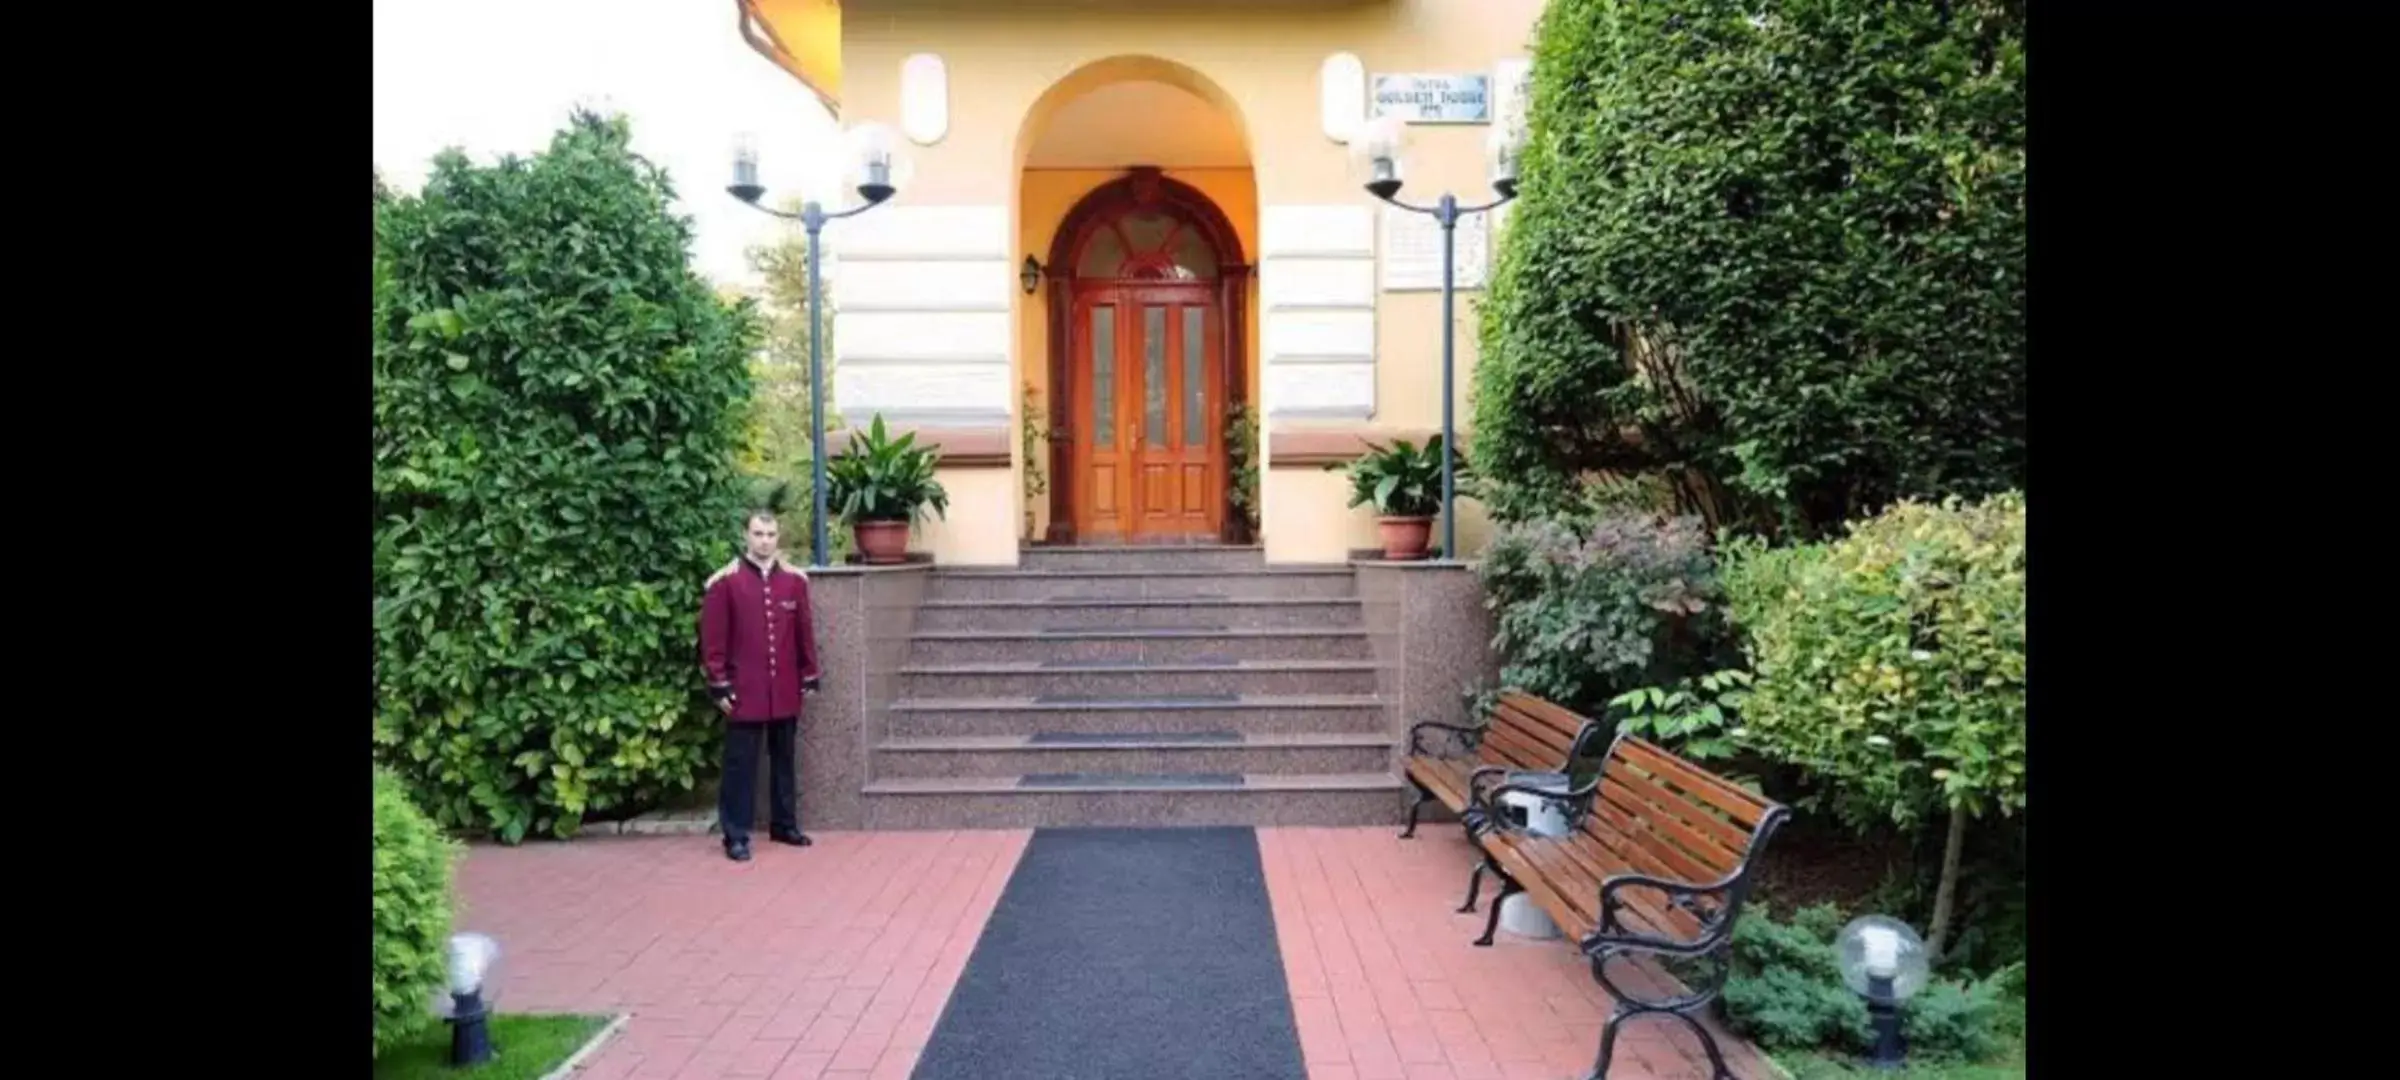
{"x": 758, "y": 640}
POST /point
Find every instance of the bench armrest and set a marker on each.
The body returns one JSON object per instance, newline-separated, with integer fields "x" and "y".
{"x": 1483, "y": 810}
{"x": 1472, "y": 735}
{"x": 1715, "y": 925}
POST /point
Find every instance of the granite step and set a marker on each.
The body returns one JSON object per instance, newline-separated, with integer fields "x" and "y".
{"x": 1145, "y": 557}
{"x": 1075, "y": 679}
{"x": 1196, "y": 798}
{"x": 1132, "y": 752}
{"x": 1143, "y": 645}
{"x": 1255, "y": 613}
{"x": 1146, "y": 583}
{"x": 1258, "y": 714}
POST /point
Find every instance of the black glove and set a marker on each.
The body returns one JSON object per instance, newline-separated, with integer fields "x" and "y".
{"x": 808, "y": 686}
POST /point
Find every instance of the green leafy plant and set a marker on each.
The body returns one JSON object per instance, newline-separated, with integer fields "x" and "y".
{"x": 558, "y": 405}
{"x": 1786, "y": 990}
{"x": 1890, "y": 664}
{"x": 1585, "y": 613}
{"x": 1771, "y": 252}
{"x": 881, "y": 478}
{"x": 1033, "y": 432}
{"x": 1695, "y": 718}
{"x": 1241, "y": 462}
{"x": 413, "y": 865}
{"x": 1402, "y": 480}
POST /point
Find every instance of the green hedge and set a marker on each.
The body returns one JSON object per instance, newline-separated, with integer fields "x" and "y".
{"x": 413, "y": 863}
{"x": 1772, "y": 249}
{"x": 558, "y": 402}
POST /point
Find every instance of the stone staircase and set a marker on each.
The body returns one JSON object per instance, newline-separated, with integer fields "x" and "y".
{"x": 1136, "y": 686}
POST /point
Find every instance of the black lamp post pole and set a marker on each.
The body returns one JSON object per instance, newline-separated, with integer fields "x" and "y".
{"x": 1883, "y": 1012}
{"x": 1446, "y": 212}
{"x": 812, "y": 218}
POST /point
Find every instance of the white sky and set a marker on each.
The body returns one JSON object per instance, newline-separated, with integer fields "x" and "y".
{"x": 496, "y": 76}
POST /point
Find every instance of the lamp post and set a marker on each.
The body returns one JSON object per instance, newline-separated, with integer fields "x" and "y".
{"x": 1379, "y": 141}
{"x": 1883, "y": 961}
{"x": 470, "y": 961}
{"x": 872, "y": 156}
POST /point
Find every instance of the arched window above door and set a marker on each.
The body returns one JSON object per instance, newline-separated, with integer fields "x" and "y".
{"x": 1147, "y": 244}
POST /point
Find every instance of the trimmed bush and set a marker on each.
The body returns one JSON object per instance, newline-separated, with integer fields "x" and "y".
{"x": 558, "y": 402}
{"x": 1586, "y": 613}
{"x": 1890, "y": 665}
{"x": 1786, "y": 993}
{"x": 412, "y": 912}
{"x": 1772, "y": 251}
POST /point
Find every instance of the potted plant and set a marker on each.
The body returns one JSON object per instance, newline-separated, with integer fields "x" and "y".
{"x": 881, "y": 486}
{"x": 1241, "y": 466}
{"x": 1404, "y": 485}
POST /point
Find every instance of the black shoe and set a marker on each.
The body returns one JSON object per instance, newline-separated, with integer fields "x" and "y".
{"x": 738, "y": 850}
{"x": 795, "y": 837}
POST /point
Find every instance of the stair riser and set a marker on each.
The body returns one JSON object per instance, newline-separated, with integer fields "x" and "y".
{"x": 1234, "y": 759}
{"x": 1229, "y": 586}
{"x": 913, "y": 724}
{"x": 1134, "y": 683}
{"x": 1147, "y": 650}
{"x": 1130, "y": 808}
{"x": 1160, "y": 559}
{"x": 1342, "y": 614}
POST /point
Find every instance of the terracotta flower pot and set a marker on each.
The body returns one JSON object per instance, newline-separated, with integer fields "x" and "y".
{"x": 1404, "y": 538}
{"x": 881, "y": 543}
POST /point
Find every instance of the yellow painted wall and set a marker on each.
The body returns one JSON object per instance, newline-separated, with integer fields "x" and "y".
{"x": 1260, "y": 62}
{"x": 981, "y": 527}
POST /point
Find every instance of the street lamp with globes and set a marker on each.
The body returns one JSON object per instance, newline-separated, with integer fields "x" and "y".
{"x": 1381, "y": 142}
{"x": 875, "y": 167}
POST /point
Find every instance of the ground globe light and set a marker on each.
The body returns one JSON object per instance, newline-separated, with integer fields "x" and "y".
{"x": 1883, "y": 961}
{"x": 470, "y": 958}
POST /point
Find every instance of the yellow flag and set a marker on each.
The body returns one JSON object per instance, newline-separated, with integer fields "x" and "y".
{"x": 803, "y": 37}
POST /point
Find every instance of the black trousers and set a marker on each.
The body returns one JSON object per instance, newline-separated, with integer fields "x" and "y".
{"x": 737, "y": 797}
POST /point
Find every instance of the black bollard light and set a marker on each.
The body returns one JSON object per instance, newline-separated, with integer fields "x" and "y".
{"x": 1883, "y": 961}
{"x": 469, "y": 1015}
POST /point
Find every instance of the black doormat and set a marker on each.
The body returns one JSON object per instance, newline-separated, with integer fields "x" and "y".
{"x": 1124, "y": 953}
{"x": 1118, "y": 701}
{"x": 1145, "y": 780}
{"x": 1048, "y": 738}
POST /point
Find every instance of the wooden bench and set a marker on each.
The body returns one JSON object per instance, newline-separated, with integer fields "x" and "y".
{"x": 1657, "y": 865}
{"x": 1523, "y": 732}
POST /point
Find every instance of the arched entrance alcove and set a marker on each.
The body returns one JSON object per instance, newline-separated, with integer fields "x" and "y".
{"x": 1135, "y": 195}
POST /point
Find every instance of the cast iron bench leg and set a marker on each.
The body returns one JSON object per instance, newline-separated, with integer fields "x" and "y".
{"x": 1423, "y": 797}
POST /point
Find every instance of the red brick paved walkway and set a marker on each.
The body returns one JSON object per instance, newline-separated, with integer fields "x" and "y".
{"x": 835, "y": 961}
{"x": 1387, "y": 985}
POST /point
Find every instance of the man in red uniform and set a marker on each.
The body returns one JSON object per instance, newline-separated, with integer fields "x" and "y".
{"x": 758, "y": 647}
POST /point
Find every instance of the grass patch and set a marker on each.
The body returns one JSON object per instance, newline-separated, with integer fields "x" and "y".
{"x": 2008, "y": 1065}
{"x": 528, "y": 1048}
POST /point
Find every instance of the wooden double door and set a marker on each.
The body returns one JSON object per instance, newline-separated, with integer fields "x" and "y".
{"x": 1150, "y": 402}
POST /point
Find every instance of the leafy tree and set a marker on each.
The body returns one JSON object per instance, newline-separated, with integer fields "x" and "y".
{"x": 1890, "y": 664}
{"x": 1770, "y": 251}
{"x": 558, "y": 402}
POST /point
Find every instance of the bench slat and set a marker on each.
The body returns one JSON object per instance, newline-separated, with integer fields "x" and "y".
{"x": 1628, "y": 831}
{"x": 1742, "y": 806}
{"x": 1538, "y": 727}
{"x": 1597, "y": 863}
{"x": 1667, "y": 805}
{"x": 1555, "y": 717}
{"x": 1512, "y": 749}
